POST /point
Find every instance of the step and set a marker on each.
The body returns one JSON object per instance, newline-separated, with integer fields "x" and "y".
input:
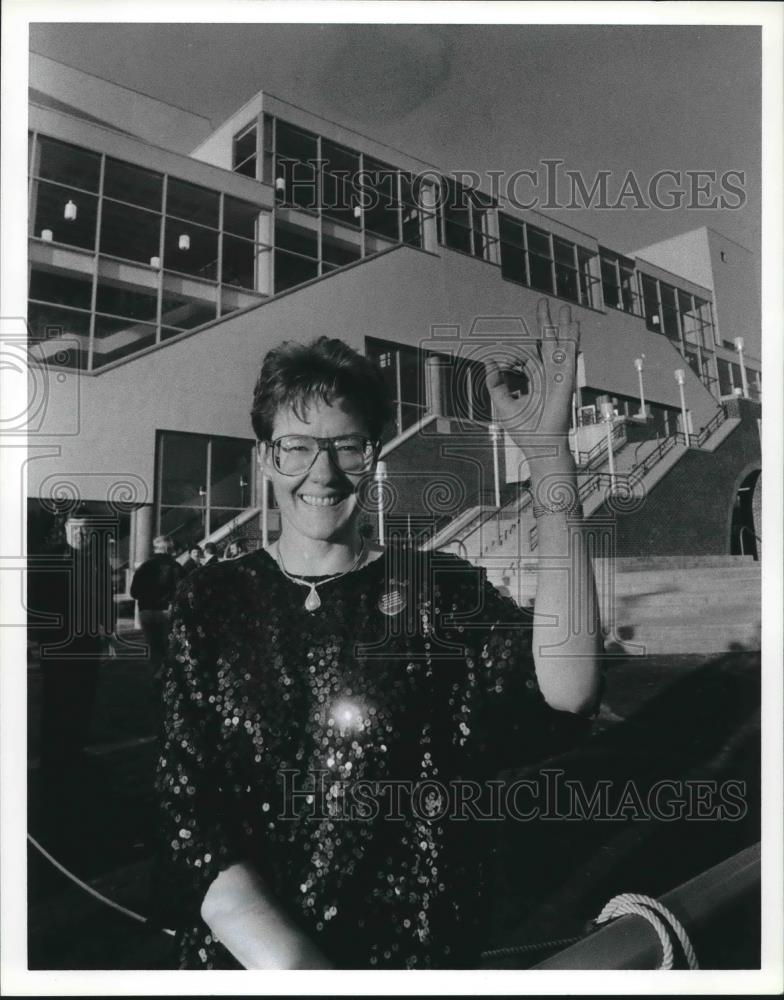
{"x": 654, "y": 640}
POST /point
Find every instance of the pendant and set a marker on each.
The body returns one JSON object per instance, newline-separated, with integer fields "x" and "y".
{"x": 312, "y": 601}
{"x": 391, "y": 603}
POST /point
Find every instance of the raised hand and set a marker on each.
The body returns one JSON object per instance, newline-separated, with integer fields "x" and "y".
{"x": 551, "y": 369}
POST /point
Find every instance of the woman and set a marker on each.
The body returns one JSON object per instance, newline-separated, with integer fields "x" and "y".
{"x": 328, "y": 700}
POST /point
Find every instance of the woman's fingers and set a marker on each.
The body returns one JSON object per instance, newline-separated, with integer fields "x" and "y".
{"x": 493, "y": 377}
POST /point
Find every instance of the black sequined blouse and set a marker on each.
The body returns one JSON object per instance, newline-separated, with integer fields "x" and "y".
{"x": 344, "y": 753}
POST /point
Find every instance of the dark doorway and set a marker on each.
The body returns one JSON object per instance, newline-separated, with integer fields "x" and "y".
{"x": 744, "y": 532}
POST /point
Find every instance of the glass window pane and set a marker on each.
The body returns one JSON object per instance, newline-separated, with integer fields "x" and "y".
{"x": 512, "y": 263}
{"x": 190, "y": 249}
{"x": 61, "y": 287}
{"x": 412, "y": 375}
{"x": 669, "y": 310}
{"x": 244, "y": 146}
{"x": 235, "y": 298}
{"x": 339, "y": 199}
{"x": 51, "y": 200}
{"x": 119, "y": 338}
{"x": 297, "y": 239}
{"x": 183, "y": 307}
{"x": 52, "y": 322}
{"x": 725, "y": 379}
{"x": 230, "y": 473}
{"x": 566, "y": 282}
{"x": 60, "y": 161}
{"x": 511, "y": 231}
{"x": 541, "y": 273}
{"x": 538, "y": 241}
{"x": 130, "y": 233}
{"x": 184, "y": 525}
{"x": 240, "y": 217}
{"x": 248, "y": 168}
{"x": 184, "y": 469}
{"x": 292, "y": 269}
{"x": 339, "y": 158}
{"x": 610, "y": 289}
{"x": 563, "y": 251}
{"x": 380, "y": 194}
{"x": 650, "y": 299}
{"x": 121, "y": 299}
{"x": 192, "y": 202}
{"x": 337, "y": 252}
{"x": 127, "y": 182}
{"x": 240, "y": 262}
{"x": 294, "y": 143}
{"x": 629, "y": 297}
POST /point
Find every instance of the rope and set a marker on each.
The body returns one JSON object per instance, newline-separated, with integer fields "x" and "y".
{"x": 518, "y": 949}
{"x": 648, "y": 908}
{"x": 89, "y": 889}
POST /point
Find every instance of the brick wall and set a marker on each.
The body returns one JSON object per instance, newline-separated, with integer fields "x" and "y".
{"x": 435, "y": 475}
{"x": 689, "y": 511}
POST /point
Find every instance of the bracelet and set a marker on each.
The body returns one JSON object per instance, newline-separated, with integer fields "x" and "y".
{"x": 574, "y": 508}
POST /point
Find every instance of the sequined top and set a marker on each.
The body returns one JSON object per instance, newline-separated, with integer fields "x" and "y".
{"x": 340, "y": 752}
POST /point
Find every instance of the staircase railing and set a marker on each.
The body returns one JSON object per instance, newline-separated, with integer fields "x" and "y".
{"x": 587, "y": 458}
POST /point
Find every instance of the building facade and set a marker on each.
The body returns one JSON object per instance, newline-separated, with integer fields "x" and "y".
{"x": 158, "y": 279}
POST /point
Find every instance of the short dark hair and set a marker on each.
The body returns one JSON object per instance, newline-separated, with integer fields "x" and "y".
{"x": 295, "y": 374}
{"x": 210, "y": 549}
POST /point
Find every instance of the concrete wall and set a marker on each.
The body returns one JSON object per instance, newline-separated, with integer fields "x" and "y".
{"x": 105, "y": 425}
{"x": 690, "y": 509}
{"x": 118, "y": 107}
{"x": 734, "y": 280}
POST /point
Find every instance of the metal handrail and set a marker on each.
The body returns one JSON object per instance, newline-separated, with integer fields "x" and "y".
{"x": 631, "y": 943}
{"x": 587, "y": 457}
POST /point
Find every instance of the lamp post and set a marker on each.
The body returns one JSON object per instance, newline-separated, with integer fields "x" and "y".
{"x": 380, "y": 475}
{"x": 638, "y": 365}
{"x": 494, "y": 434}
{"x": 743, "y": 379}
{"x": 264, "y": 510}
{"x": 680, "y": 378}
{"x": 608, "y": 413}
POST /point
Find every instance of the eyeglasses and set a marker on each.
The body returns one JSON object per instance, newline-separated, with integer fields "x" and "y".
{"x": 294, "y": 454}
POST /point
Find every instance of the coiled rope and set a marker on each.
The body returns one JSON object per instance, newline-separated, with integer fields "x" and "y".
{"x": 89, "y": 889}
{"x": 652, "y": 910}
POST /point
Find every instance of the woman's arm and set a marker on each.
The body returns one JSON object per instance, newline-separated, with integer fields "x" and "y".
{"x": 566, "y": 634}
{"x": 241, "y": 914}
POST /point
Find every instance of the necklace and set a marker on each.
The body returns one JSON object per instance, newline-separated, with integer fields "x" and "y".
{"x": 313, "y": 601}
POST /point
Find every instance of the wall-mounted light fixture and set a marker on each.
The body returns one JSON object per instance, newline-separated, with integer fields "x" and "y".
{"x": 47, "y": 235}
{"x": 155, "y": 261}
{"x": 69, "y": 212}
{"x": 184, "y": 242}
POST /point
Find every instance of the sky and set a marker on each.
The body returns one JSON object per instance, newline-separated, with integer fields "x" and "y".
{"x": 487, "y": 98}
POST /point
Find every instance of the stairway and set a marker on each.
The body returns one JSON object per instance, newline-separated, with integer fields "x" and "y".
{"x": 661, "y": 605}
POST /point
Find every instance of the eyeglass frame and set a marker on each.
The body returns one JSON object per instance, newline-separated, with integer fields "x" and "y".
{"x": 325, "y": 444}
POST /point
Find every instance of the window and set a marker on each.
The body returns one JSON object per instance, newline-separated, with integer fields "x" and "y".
{"x": 618, "y": 282}
{"x": 67, "y": 164}
{"x": 650, "y": 302}
{"x": 134, "y": 267}
{"x": 381, "y": 200}
{"x": 566, "y": 284}
{"x": 669, "y": 311}
{"x": 726, "y": 386}
{"x": 339, "y": 177}
{"x": 540, "y": 264}
{"x": 134, "y": 185}
{"x": 203, "y": 482}
{"x": 243, "y": 154}
{"x": 512, "y": 249}
{"x": 296, "y": 255}
{"x": 296, "y": 179}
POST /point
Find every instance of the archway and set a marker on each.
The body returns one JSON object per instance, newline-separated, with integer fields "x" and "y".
{"x": 745, "y": 529}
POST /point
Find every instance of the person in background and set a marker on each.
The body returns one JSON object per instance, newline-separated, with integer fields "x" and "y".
{"x": 153, "y": 586}
{"x": 193, "y": 561}
{"x": 236, "y": 549}
{"x": 210, "y": 554}
{"x": 74, "y": 591}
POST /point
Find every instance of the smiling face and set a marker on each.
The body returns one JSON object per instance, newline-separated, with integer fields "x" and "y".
{"x": 320, "y": 504}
